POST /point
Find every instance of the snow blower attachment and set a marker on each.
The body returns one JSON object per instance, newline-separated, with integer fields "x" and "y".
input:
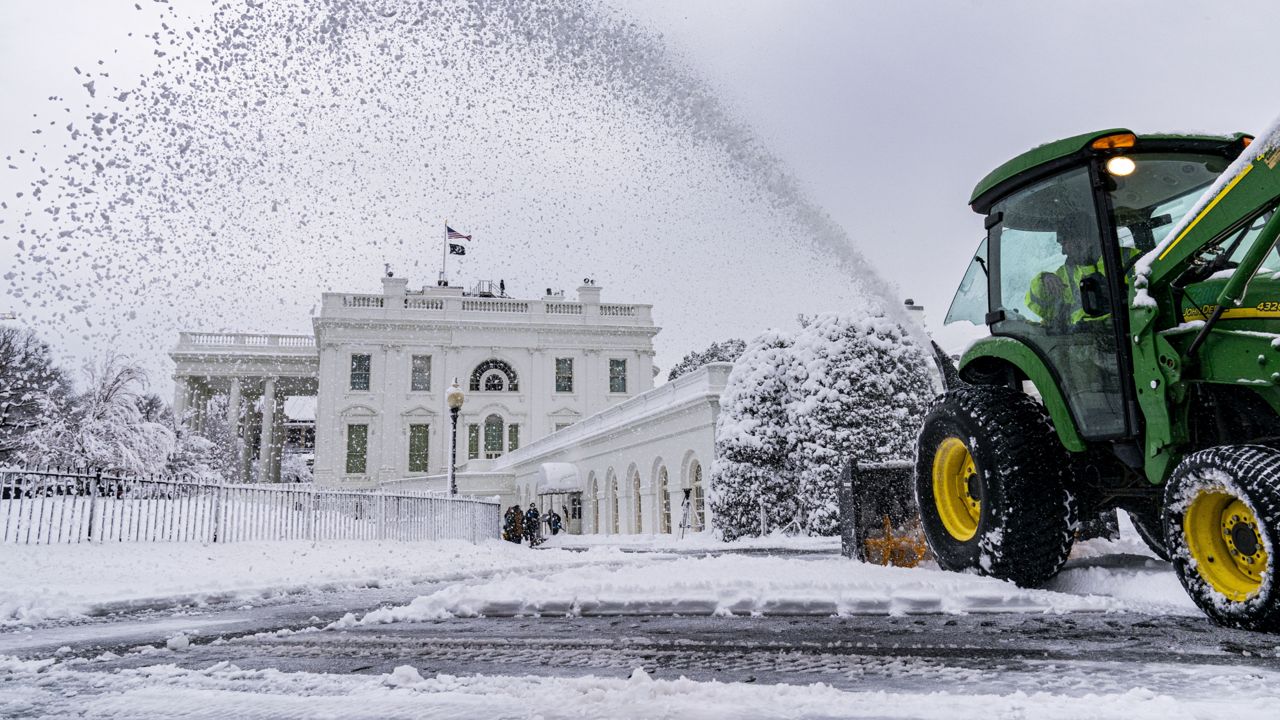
{"x": 879, "y": 519}
{"x": 1130, "y": 286}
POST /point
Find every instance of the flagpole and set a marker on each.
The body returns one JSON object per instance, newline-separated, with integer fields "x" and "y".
{"x": 444, "y": 254}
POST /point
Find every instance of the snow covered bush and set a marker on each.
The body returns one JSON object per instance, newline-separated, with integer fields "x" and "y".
{"x": 294, "y": 468}
{"x": 103, "y": 426}
{"x": 727, "y": 351}
{"x": 797, "y": 405}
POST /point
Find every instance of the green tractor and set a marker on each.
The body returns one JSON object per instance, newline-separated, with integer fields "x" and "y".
{"x": 1131, "y": 288}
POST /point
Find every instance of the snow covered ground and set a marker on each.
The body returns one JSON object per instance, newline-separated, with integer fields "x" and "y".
{"x": 54, "y": 582}
{"x": 571, "y": 582}
{"x": 570, "y": 575}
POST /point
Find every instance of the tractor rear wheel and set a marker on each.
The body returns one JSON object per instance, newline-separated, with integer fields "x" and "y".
{"x": 991, "y": 481}
{"x": 1222, "y": 522}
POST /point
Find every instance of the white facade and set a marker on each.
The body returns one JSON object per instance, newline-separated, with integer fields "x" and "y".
{"x": 623, "y": 470}
{"x": 378, "y": 420}
{"x": 633, "y": 462}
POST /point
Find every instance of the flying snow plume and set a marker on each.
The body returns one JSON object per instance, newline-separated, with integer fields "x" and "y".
{"x": 279, "y": 150}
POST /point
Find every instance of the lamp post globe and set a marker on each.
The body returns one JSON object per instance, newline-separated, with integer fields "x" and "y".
{"x": 454, "y": 398}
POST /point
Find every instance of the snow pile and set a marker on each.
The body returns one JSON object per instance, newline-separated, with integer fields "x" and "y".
{"x": 49, "y": 582}
{"x": 797, "y": 405}
{"x": 224, "y": 690}
{"x": 742, "y": 585}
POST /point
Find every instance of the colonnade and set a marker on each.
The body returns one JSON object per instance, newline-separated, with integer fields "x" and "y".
{"x": 252, "y": 426}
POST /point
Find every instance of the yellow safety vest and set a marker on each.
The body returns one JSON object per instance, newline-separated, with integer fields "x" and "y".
{"x": 1049, "y": 308}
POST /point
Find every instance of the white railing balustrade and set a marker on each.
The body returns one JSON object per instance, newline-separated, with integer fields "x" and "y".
{"x": 508, "y": 306}
{"x": 362, "y": 301}
{"x": 45, "y": 506}
{"x": 245, "y": 340}
{"x": 421, "y": 303}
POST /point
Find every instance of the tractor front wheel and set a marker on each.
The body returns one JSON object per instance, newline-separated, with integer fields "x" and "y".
{"x": 1221, "y": 523}
{"x": 991, "y": 481}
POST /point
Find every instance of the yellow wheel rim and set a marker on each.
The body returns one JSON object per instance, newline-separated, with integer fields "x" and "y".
{"x": 954, "y": 478}
{"x": 1226, "y": 543}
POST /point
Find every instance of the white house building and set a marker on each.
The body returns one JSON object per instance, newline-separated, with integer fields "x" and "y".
{"x": 560, "y": 403}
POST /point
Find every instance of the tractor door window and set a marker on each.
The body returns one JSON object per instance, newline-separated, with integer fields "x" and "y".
{"x": 970, "y": 302}
{"x": 1046, "y": 246}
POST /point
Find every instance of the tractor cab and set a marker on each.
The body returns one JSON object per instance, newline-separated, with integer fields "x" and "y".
{"x": 1066, "y": 222}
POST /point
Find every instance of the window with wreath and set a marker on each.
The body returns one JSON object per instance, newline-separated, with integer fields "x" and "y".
{"x": 494, "y": 376}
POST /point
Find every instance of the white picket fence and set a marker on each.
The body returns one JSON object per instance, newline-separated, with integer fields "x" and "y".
{"x": 42, "y": 506}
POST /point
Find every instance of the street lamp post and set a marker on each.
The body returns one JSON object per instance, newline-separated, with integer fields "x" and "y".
{"x": 454, "y": 398}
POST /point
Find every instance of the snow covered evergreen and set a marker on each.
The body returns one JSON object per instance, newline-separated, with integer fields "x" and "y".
{"x": 798, "y": 404}
{"x": 727, "y": 351}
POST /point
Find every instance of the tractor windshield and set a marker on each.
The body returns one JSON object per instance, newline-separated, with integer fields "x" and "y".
{"x": 1152, "y": 191}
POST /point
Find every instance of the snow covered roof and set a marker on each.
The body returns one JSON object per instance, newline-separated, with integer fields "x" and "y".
{"x": 558, "y": 477}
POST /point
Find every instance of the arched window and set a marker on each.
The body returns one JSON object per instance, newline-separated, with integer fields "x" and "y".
{"x": 664, "y": 500}
{"x": 492, "y": 437}
{"x": 494, "y": 375}
{"x": 639, "y": 510}
{"x": 611, "y": 488}
{"x": 699, "y": 498}
{"x": 595, "y": 502}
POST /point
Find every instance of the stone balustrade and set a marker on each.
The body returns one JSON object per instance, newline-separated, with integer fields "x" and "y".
{"x": 454, "y": 307}
{"x": 204, "y": 342}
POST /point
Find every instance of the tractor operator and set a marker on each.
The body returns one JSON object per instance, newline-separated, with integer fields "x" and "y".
{"x": 1055, "y": 296}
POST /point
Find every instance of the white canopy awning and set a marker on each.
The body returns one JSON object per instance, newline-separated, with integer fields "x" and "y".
{"x": 557, "y": 478}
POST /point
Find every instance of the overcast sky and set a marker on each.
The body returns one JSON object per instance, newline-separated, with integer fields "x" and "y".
{"x": 888, "y": 112}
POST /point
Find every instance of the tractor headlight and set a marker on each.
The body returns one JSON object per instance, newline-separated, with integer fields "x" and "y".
{"x": 1121, "y": 166}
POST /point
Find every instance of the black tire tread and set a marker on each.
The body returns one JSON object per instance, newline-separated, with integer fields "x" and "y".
{"x": 1016, "y": 448}
{"x": 1254, "y": 470}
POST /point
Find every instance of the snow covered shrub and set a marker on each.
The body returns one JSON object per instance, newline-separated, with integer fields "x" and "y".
{"x": 196, "y": 457}
{"x": 797, "y": 405}
{"x": 865, "y": 390}
{"x": 755, "y": 437}
{"x": 294, "y": 468}
{"x": 104, "y": 425}
{"x": 727, "y": 351}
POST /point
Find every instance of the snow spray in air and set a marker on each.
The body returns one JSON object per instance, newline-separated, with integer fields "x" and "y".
{"x": 280, "y": 150}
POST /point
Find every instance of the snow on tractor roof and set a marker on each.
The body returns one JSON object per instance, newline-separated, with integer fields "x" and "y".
{"x": 1019, "y": 169}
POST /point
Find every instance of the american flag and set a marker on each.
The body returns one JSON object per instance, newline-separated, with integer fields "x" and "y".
{"x": 455, "y": 235}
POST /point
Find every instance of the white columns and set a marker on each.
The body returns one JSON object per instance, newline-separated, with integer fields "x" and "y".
{"x": 246, "y": 444}
{"x": 181, "y": 397}
{"x": 277, "y": 437}
{"x": 266, "y": 439}
{"x": 234, "y": 399}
